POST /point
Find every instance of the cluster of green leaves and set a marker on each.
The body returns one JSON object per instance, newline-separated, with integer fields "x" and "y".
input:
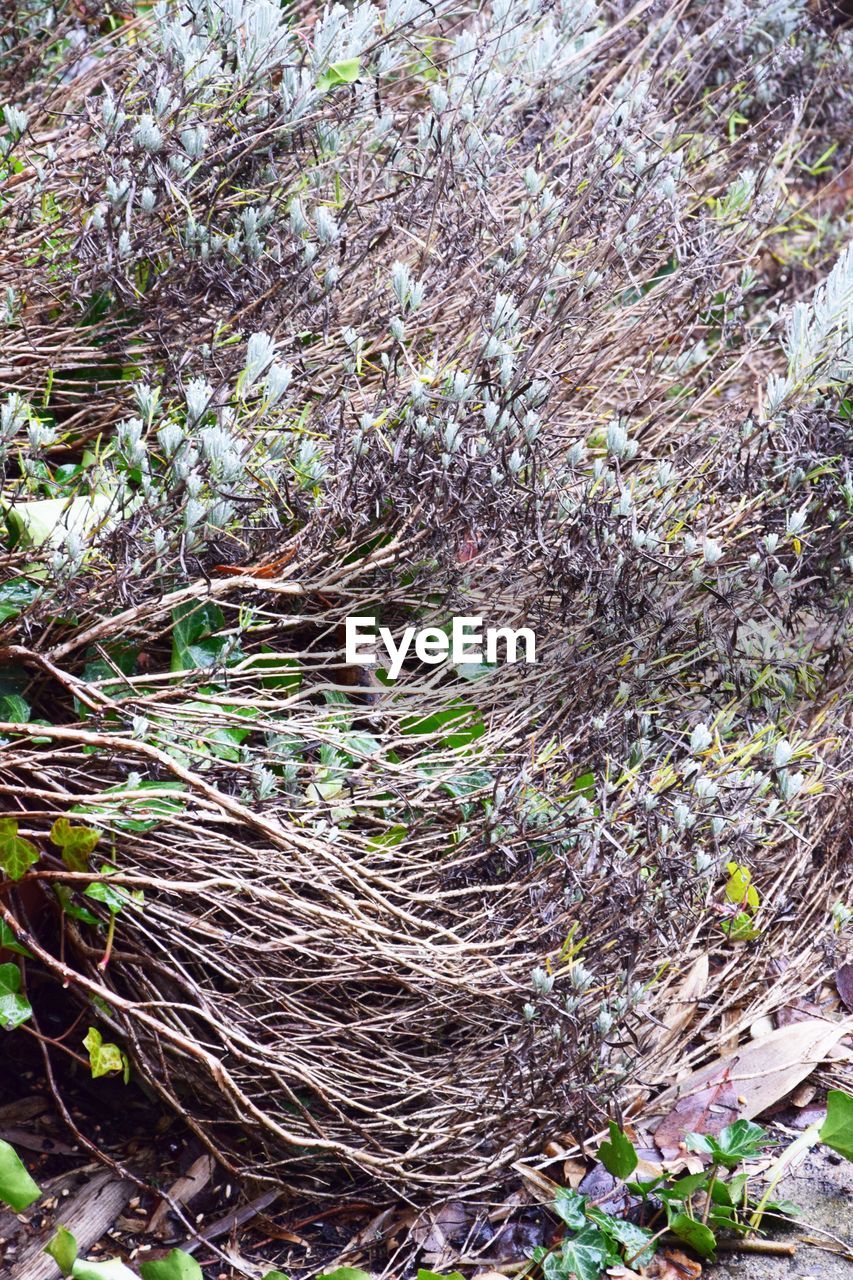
{"x": 18, "y": 854}
{"x": 696, "y": 1208}
{"x": 177, "y": 1265}
{"x": 76, "y": 845}
{"x": 743, "y": 898}
{"x": 599, "y": 1239}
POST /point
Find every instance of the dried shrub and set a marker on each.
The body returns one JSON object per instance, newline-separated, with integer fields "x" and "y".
{"x": 506, "y": 309}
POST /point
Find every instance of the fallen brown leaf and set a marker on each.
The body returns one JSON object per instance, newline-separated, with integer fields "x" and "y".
{"x": 646, "y": 1170}
{"x": 131, "y": 1225}
{"x": 686, "y": 1163}
{"x": 574, "y": 1172}
{"x": 239, "y": 1216}
{"x": 273, "y": 1231}
{"x": 765, "y": 1070}
{"x": 844, "y": 983}
{"x": 811, "y": 1114}
{"x": 609, "y": 1193}
{"x": 37, "y": 1142}
{"x": 729, "y": 1038}
{"x": 540, "y": 1186}
{"x": 513, "y": 1202}
{"x": 682, "y": 1005}
{"x": 803, "y": 1094}
{"x": 378, "y": 1226}
{"x": 672, "y": 1264}
{"x": 623, "y": 1273}
{"x": 798, "y": 1011}
{"x": 181, "y": 1192}
{"x": 436, "y": 1230}
{"x": 23, "y": 1109}
{"x": 707, "y": 1108}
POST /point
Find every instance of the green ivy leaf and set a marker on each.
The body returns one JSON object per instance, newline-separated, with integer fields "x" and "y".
{"x": 388, "y": 839}
{"x": 683, "y": 1188}
{"x": 66, "y": 899}
{"x": 436, "y": 1275}
{"x": 105, "y": 1059}
{"x": 101, "y": 892}
{"x": 17, "y": 855}
{"x": 63, "y": 1249}
{"x": 280, "y": 671}
{"x": 119, "y": 657}
{"x": 118, "y": 807}
{"x": 741, "y": 928}
{"x": 177, "y": 1265}
{"x": 113, "y": 898}
{"x": 585, "y": 1255}
{"x": 462, "y": 722}
{"x": 782, "y": 1208}
{"x": 8, "y": 941}
{"x": 465, "y": 784}
{"x": 111, "y": 1269}
{"x": 359, "y": 745}
{"x": 737, "y": 1142}
{"x": 15, "y": 595}
{"x": 276, "y": 1275}
{"x": 739, "y": 887}
{"x": 14, "y": 708}
{"x": 722, "y": 1218}
{"x": 14, "y": 1008}
{"x": 193, "y": 642}
{"x": 344, "y": 1273}
{"x": 837, "y": 1129}
{"x": 584, "y": 785}
{"x": 631, "y": 1238}
{"x": 76, "y": 843}
{"x": 721, "y": 1194}
{"x": 695, "y": 1234}
{"x": 569, "y": 1205}
{"x": 734, "y": 1187}
{"x": 618, "y": 1156}
{"x": 17, "y": 1188}
{"x": 646, "y": 1188}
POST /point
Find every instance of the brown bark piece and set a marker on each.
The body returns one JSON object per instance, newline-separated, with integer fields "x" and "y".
{"x": 181, "y": 1192}
{"x": 87, "y": 1215}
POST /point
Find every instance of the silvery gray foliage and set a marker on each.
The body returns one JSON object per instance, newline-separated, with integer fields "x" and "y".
{"x": 818, "y": 339}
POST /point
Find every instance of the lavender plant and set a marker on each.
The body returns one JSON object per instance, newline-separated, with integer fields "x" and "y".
{"x": 535, "y": 312}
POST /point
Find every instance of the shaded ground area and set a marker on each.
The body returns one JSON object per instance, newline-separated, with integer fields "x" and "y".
{"x": 823, "y": 1188}
{"x": 233, "y": 1231}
